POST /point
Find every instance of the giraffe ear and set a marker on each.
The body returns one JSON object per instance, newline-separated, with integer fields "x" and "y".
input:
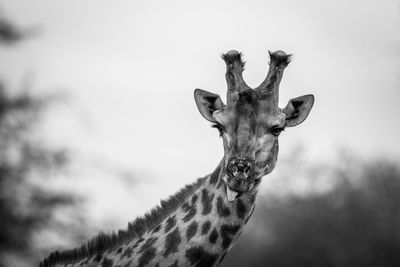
{"x": 298, "y": 109}
{"x": 207, "y": 103}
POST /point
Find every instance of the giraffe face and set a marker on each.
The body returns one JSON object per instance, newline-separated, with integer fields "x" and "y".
{"x": 251, "y": 122}
{"x": 250, "y": 137}
{"x": 250, "y": 128}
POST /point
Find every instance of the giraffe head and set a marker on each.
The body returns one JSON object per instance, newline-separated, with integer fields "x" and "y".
{"x": 251, "y": 121}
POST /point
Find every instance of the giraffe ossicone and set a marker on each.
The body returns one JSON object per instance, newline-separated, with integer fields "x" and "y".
{"x": 198, "y": 225}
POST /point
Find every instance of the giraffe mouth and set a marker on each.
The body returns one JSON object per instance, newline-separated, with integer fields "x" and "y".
{"x": 235, "y": 187}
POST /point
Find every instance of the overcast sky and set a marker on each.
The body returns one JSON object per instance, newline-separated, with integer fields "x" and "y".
{"x": 130, "y": 68}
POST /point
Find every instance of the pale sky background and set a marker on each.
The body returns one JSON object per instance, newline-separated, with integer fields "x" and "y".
{"x": 130, "y": 68}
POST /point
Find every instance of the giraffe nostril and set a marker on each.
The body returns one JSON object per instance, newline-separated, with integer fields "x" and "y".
{"x": 232, "y": 167}
{"x": 248, "y": 168}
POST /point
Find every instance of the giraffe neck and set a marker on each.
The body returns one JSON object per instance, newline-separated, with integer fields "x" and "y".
{"x": 198, "y": 233}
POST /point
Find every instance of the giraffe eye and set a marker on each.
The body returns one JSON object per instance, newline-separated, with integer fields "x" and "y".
{"x": 276, "y": 130}
{"x": 220, "y": 128}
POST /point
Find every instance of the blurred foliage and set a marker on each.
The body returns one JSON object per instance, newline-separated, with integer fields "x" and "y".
{"x": 26, "y": 206}
{"x": 354, "y": 224}
{"x": 10, "y": 34}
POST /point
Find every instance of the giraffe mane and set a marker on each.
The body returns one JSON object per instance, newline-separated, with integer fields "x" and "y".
{"x": 105, "y": 241}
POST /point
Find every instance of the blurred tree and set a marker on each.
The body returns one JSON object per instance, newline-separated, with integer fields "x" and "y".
{"x": 26, "y": 206}
{"x": 11, "y": 34}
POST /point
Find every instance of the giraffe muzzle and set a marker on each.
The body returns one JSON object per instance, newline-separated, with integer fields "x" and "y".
{"x": 238, "y": 179}
{"x": 240, "y": 168}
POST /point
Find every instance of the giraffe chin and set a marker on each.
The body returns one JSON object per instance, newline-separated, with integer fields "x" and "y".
{"x": 235, "y": 188}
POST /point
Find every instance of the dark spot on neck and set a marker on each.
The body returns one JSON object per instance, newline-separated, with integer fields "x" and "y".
{"x": 127, "y": 253}
{"x": 172, "y": 242}
{"x": 107, "y": 263}
{"x": 190, "y": 209}
{"x": 240, "y": 209}
{"x": 213, "y": 236}
{"x": 214, "y": 176}
{"x": 148, "y": 244}
{"x": 227, "y": 231}
{"x": 206, "y": 200}
{"x": 147, "y": 255}
{"x": 205, "y": 228}
{"x": 156, "y": 229}
{"x": 199, "y": 257}
{"x": 170, "y": 223}
{"x": 194, "y": 199}
{"x": 98, "y": 258}
{"x": 191, "y": 230}
{"x": 222, "y": 209}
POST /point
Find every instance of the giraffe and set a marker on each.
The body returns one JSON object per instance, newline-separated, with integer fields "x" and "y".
{"x": 199, "y": 224}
